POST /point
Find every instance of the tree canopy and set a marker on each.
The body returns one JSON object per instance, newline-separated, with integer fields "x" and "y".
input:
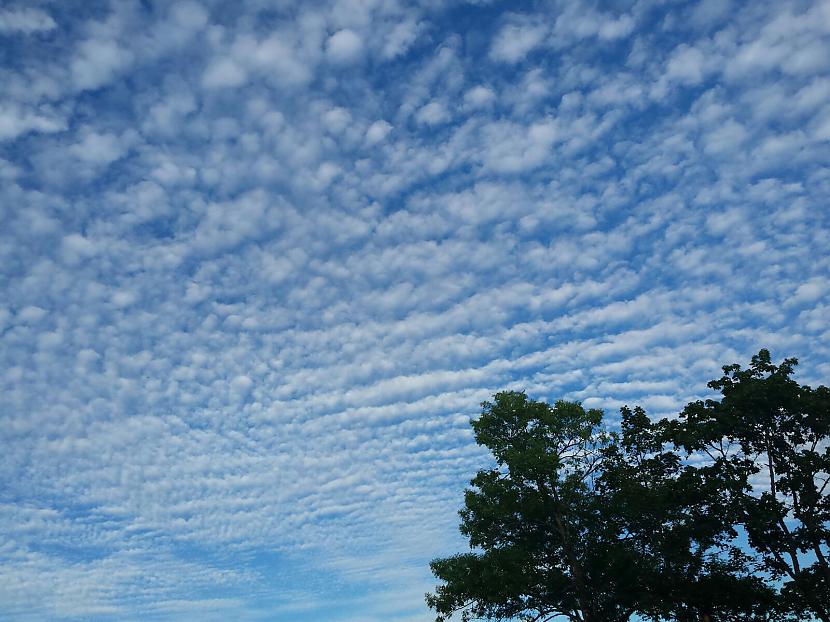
{"x": 580, "y": 523}
{"x": 766, "y": 442}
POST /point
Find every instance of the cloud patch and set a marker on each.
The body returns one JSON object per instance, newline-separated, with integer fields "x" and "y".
{"x": 26, "y": 21}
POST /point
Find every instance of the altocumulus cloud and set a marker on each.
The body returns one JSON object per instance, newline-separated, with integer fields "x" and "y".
{"x": 261, "y": 261}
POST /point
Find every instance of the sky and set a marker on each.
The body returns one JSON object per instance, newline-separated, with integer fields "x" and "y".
{"x": 260, "y": 261}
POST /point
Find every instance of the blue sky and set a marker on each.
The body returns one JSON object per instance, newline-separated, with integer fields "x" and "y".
{"x": 261, "y": 261}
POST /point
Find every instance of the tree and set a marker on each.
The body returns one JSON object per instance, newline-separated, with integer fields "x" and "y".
{"x": 767, "y": 449}
{"x": 544, "y": 550}
{"x": 577, "y": 523}
{"x": 680, "y": 529}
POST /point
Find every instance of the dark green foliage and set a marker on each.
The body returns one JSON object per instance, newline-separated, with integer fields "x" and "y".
{"x": 767, "y": 450}
{"x": 681, "y": 531}
{"x": 589, "y": 526}
{"x": 577, "y": 523}
{"x": 544, "y": 547}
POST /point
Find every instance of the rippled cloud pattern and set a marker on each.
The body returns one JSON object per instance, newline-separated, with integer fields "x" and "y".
{"x": 261, "y": 260}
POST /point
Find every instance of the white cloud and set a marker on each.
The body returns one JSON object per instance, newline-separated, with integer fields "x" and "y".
{"x": 686, "y": 65}
{"x": 224, "y": 73}
{"x": 709, "y": 12}
{"x": 727, "y": 138}
{"x": 400, "y": 38}
{"x": 433, "y": 113}
{"x": 278, "y": 58}
{"x": 190, "y": 15}
{"x": 579, "y": 22}
{"x": 31, "y": 314}
{"x": 512, "y": 148}
{"x": 241, "y": 385}
{"x": 822, "y": 131}
{"x": 124, "y": 298}
{"x": 479, "y": 96}
{"x": 515, "y": 41}
{"x": 97, "y": 61}
{"x": 100, "y": 148}
{"x": 166, "y": 116}
{"x": 611, "y": 29}
{"x": 814, "y": 289}
{"x": 344, "y": 47}
{"x": 337, "y": 119}
{"x": 15, "y": 121}
{"x": 788, "y": 43}
{"x": 377, "y": 132}
{"x": 326, "y": 173}
{"x": 76, "y": 248}
{"x": 26, "y": 20}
